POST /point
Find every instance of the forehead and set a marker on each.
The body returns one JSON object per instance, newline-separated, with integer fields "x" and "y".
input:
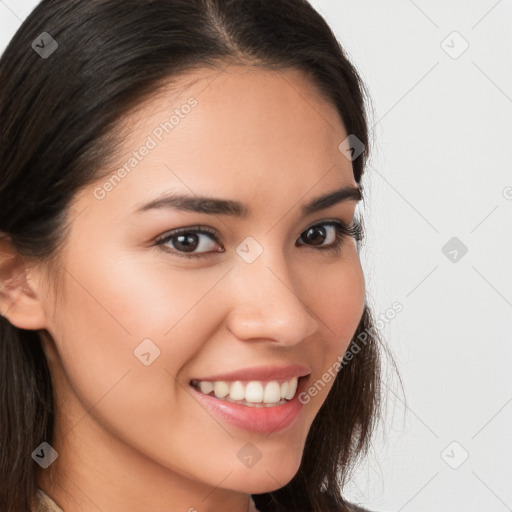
{"x": 246, "y": 105}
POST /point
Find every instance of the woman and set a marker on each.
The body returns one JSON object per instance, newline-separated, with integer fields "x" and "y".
{"x": 182, "y": 294}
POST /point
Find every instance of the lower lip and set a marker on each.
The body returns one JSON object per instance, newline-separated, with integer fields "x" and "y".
{"x": 263, "y": 420}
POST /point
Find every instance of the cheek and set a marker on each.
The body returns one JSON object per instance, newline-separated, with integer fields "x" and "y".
{"x": 346, "y": 305}
{"x": 131, "y": 292}
{"x": 337, "y": 298}
{"x": 339, "y": 304}
{"x": 118, "y": 310}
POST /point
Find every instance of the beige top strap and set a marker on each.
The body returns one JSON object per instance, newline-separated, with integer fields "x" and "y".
{"x": 46, "y": 504}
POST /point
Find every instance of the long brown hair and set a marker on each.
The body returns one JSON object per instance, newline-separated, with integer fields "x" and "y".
{"x": 58, "y": 114}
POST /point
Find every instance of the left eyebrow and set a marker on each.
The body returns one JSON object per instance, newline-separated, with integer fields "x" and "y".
{"x": 215, "y": 206}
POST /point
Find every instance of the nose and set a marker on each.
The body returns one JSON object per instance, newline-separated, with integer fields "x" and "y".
{"x": 268, "y": 303}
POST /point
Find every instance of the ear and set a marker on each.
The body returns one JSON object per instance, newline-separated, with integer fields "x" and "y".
{"x": 19, "y": 301}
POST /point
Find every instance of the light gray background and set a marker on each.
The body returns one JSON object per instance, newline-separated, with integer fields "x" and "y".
{"x": 441, "y": 168}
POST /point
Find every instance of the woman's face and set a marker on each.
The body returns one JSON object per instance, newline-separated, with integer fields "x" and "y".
{"x": 137, "y": 321}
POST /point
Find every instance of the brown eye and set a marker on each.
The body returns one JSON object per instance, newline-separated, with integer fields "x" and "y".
{"x": 316, "y": 235}
{"x": 187, "y": 241}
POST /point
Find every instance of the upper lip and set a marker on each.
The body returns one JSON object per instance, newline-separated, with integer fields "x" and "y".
{"x": 263, "y": 373}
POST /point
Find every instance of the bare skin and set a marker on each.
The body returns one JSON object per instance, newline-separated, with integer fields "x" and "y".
{"x": 132, "y": 437}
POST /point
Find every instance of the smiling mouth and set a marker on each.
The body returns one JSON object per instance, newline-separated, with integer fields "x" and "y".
{"x": 253, "y": 393}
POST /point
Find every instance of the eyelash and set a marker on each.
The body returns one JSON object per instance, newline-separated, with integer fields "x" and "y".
{"x": 355, "y": 230}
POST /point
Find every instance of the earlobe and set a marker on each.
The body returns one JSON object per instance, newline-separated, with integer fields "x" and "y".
{"x": 19, "y": 302}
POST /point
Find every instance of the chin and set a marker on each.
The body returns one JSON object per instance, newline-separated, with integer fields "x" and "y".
{"x": 265, "y": 478}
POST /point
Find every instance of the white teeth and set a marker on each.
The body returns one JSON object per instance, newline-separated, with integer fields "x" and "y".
{"x": 254, "y": 391}
{"x": 237, "y": 392}
{"x": 272, "y": 393}
{"x": 206, "y": 387}
{"x": 292, "y": 387}
{"x": 221, "y": 389}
